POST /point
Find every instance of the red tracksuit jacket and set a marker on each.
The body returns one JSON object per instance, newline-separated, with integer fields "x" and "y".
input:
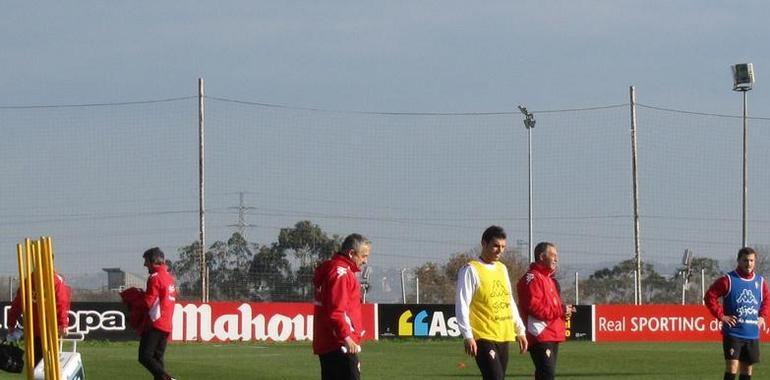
{"x": 62, "y": 296}
{"x": 337, "y": 305}
{"x": 160, "y": 298}
{"x": 540, "y": 305}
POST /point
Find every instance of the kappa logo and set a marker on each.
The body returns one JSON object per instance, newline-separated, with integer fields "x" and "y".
{"x": 747, "y": 297}
{"x": 341, "y": 271}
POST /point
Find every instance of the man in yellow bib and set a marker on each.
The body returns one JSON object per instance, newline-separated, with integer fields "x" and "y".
{"x": 486, "y": 312}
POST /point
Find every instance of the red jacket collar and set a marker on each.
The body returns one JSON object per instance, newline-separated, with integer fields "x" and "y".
{"x": 160, "y": 268}
{"x": 540, "y": 268}
{"x": 348, "y": 261}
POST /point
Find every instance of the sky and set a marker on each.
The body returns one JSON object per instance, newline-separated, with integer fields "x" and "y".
{"x": 385, "y": 56}
{"x": 393, "y": 56}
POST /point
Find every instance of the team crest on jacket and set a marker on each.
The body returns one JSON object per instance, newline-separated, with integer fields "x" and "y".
{"x": 529, "y": 278}
{"x": 341, "y": 271}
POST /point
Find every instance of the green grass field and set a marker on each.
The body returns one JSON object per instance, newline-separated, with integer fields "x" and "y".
{"x": 409, "y": 359}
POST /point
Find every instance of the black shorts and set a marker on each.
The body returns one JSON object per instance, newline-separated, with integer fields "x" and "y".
{"x": 743, "y": 350}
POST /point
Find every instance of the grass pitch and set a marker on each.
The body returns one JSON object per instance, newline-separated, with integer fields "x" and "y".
{"x": 409, "y": 359}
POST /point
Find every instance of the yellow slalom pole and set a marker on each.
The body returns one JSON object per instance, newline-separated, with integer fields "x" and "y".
{"x": 51, "y": 314}
{"x": 41, "y": 301}
{"x": 23, "y": 280}
{"x": 29, "y": 314}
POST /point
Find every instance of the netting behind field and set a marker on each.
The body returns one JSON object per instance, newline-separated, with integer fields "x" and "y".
{"x": 106, "y": 182}
{"x": 109, "y": 181}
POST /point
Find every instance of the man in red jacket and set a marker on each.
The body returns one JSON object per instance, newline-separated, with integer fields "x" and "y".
{"x": 159, "y": 298}
{"x": 337, "y": 322}
{"x": 62, "y": 297}
{"x": 541, "y": 309}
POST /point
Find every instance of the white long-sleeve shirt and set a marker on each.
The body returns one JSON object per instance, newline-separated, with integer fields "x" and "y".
{"x": 467, "y": 284}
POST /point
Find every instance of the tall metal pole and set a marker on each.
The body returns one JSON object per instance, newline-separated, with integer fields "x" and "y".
{"x": 745, "y": 164}
{"x": 702, "y": 286}
{"x": 201, "y": 206}
{"x": 635, "y": 175}
{"x": 577, "y": 289}
{"x": 417, "y": 289}
{"x": 529, "y": 124}
{"x": 743, "y": 81}
{"x": 403, "y": 285}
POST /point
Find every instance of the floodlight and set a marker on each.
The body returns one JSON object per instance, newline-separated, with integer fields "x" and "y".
{"x": 743, "y": 76}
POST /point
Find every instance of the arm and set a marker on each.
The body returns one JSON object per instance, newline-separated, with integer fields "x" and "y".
{"x": 466, "y": 286}
{"x": 336, "y": 302}
{"x": 152, "y": 297}
{"x": 62, "y": 291}
{"x": 535, "y": 300}
{"x": 716, "y": 291}
{"x": 518, "y": 324}
{"x": 15, "y": 311}
{"x": 765, "y": 306}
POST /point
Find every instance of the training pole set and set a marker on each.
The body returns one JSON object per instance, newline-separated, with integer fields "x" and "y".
{"x": 36, "y": 287}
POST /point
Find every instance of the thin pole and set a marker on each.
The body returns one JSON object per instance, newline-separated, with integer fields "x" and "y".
{"x": 702, "y": 286}
{"x": 201, "y": 197}
{"x": 684, "y": 286}
{"x": 577, "y": 289}
{"x": 529, "y": 142}
{"x": 635, "y": 174}
{"x": 403, "y": 284}
{"x": 745, "y": 164}
{"x": 417, "y": 288}
{"x": 529, "y": 123}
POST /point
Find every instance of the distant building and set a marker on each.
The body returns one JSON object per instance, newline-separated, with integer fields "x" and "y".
{"x": 117, "y": 279}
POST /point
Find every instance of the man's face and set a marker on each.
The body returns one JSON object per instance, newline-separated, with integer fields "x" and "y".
{"x": 550, "y": 258}
{"x": 492, "y": 250}
{"x": 361, "y": 256}
{"x": 149, "y": 266}
{"x": 747, "y": 263}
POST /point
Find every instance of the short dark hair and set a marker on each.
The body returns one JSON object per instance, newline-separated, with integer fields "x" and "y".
{"x": 354, "y": 242}
{"x": 155, "y": 255}
{"x": 541, "y": 247}
{"x": 745, "y": 251}
{"x": 493, "y": 232}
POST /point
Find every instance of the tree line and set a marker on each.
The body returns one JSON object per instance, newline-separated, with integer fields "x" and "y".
{"x": 283, "y": 271}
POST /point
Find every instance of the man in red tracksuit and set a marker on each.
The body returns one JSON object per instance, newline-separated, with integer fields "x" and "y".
{"x": 62, "y": 297}
{"x": 159, "y": 298}
{"x": 541, "y": 309}
{"x": 337, "y": 322}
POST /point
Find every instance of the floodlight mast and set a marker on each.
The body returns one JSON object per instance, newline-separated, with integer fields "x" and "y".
{"x": 743, "y": 81}
{"x": 529, "y": 124}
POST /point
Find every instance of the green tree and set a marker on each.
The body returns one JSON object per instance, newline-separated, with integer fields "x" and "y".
{"x": 228, "y": 268}
{"x": 227, "y": 264}
{"x": 616, "y": 285}
{"x": 238, "y": 269}
{"x": 711, "y": 271}
{"x": 270, "y": 272}
{"x": 187, "y": 271}
{"x": 308, "y": 244}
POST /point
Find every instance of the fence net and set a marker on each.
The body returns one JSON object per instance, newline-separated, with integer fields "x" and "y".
{"x": 284, "y": 184}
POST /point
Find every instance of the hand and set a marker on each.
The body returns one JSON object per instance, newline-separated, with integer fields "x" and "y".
{"x": 523, "y": 344}
{"x": 761, "y": 323}
{"x": 351, "y": 346}
{"x": 730, "y": 320}
{"x": 62, "y": 331}
{"x": 470, "y": 347}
